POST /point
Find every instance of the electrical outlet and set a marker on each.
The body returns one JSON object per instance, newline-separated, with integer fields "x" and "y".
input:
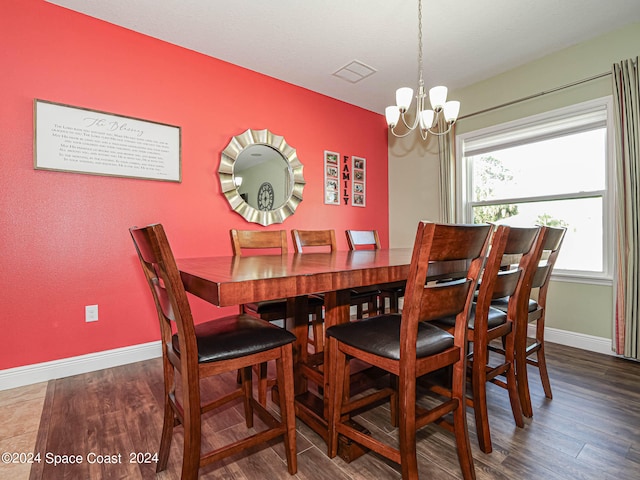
{"x": 91, "y": 313}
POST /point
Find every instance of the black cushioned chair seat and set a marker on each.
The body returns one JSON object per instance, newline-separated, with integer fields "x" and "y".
{"x": 278, "y": 306}
{"x": 496, "y": 318}
{"x": 381, "y": 336}
{"x": 235, "y": 336}
{"x": 356, "y": 294}
{"x": 364, "y": 292}
{"x": 397, "y": 287}
{"x": 503, "y": 304}
{"x": 269, "y": 306}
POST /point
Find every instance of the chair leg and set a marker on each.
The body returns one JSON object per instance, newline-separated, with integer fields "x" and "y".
{"x": 247, "y": 393}
{"x": 317, "y": 328}
{"x": 336, "y": 394}
{"x": 544, "y": 373}
{"x": 284, "y": 369}
{"x": 318, "y": 335}
{"x": 169, "y": 419}
{"x": 167, "y": 435}
{"x": 479, "y": 387}
{"x": 407, "y": 427}
{"x": 460, "y": 429}
{"x": 512, "y": 382}
{"x": 522, "y": 378}
{"x": 262, "y": 384}
{"x": 372, "y": 308}
{"x": 382, "y": 304}
{"x": 542, "y": 361}
{"x": 462, "y": 441}
{"x": 192, "y": 435}
{"x": 393, "y": 402}
{"x": 393, "y": 303}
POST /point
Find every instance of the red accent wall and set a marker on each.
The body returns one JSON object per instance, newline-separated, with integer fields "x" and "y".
{"x": 63, "y": 236}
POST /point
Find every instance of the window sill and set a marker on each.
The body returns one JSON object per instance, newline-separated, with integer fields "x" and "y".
{"x": 584, "y": 279}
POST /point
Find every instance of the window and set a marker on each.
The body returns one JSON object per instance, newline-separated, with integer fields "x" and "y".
{"x": 552, "y": 169}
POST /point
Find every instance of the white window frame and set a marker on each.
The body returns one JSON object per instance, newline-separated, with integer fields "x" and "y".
{"x": 537, "y": 128}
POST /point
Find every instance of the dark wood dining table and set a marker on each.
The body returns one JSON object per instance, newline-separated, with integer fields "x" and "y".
{"x": 235, "y": 280}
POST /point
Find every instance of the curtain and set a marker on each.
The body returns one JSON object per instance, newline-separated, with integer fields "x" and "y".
{"x": 626, "y": 93}
{"x": 446, "y": 155}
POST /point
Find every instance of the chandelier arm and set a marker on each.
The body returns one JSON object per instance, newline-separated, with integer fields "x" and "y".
{"x": 410, "y": 127}
{"x": 398, "y": 135}
{"x": 439, "y": 134}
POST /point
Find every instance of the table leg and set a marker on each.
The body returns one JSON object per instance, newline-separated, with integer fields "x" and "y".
{"x": 337, "y": 306}
{"x": 297, "y": 322}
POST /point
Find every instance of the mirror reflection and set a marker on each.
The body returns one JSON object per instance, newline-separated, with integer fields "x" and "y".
{"x": 261, "y": 177}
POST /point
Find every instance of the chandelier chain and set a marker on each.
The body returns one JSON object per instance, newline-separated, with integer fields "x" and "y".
{"x": 438, "y": 120}
{"x": 420, "y": 80}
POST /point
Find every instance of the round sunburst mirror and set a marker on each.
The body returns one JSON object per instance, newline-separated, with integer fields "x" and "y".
{"x": 261, "y": 176}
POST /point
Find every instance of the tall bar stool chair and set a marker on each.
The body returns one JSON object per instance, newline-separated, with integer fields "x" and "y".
{"x": 369, "y": 239}
{"x": 487, "y": 323}
{"x": 325, "y": 240}
{"x": 535, "y": 312}
{"x": 207, "y": 349}
{"x": 260, "y": 241}
{"x": 409, "y": 346}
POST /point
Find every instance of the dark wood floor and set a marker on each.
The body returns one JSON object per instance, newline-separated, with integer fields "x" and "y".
{"x": 590, "y": 430}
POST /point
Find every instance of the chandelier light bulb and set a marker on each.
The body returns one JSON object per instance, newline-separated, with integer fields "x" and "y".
{"x": 451, "y": 110}
{"x": 392, "y": 114}
{"x": 426, "y": 119}
{"x": 404, "y": 96}
{"x": 438, "y": 97}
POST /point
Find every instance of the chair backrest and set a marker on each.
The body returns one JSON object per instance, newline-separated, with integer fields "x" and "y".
{"x": 467, "y": 244}
{"x": 258, "y": 239}
{"x": 360, "y": 239}
{"x": 314, "y": 239}
{"x": 512, "y": 281}
{"x": 167, "y": 289}
{"x": 552, "y": 242}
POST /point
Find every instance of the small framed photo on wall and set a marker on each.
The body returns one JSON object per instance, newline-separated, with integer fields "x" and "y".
{"x": 359, "y": 182}
{"x": 331, "y": 178}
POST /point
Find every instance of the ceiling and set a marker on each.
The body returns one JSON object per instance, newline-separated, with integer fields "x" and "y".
{"x": 306, "y": 42}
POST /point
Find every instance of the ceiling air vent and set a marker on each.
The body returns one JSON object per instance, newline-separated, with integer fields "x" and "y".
{"x": 354, "y": 72}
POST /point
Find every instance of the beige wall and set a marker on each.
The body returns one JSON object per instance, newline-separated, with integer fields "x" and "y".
{"x": 413, "y": 187}
{"x": 413, "y": 169}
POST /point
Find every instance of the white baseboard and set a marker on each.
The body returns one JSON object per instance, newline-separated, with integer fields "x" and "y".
{"x": 577, "y": 340}
{"x": 66, "y": 367}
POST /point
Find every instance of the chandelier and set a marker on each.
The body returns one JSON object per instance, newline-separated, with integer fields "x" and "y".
{"x": 429, "y": 120}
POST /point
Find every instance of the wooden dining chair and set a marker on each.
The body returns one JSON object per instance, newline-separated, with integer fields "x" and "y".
{"x": 369, "y": 239}
{"x": 314, "y": 240}
{"x": 259, "y": 242}
{"x": 207, "y": 349}
{"x": 325, "y": 240}
{"x": 409, "y": 346}
{"x": 534, "y": 311}
{"x": 487, "y": 324}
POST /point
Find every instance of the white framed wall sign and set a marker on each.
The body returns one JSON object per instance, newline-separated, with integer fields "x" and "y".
{"x": 80, "y": 140}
